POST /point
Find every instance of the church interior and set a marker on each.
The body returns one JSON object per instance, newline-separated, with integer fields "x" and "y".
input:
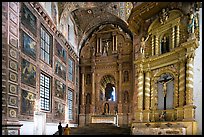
{"x": 131, "y": 68}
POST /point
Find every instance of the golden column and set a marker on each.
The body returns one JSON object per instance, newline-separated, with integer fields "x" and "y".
{"x": 147, "y": 97}
{"x": 189, "y": 108}
{"x": 157, "y": 45}
{"x": 139, "y": 115}
{"x": 173, "y": 38}
{"x": 181, "y": 89}
{"x": 177, "y": 35}
{"x": 153, "y": 46}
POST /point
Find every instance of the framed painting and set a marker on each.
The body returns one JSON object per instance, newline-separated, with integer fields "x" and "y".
{"x": 28, "y": 73}
{"x": 28, "y": 19}
{"x": 29, "y": 46}
{"x": 27, "y": 102}
{"x": 60, "y": 52}
{"x": 60, "y": 70}
{"x": 60, "y": 89}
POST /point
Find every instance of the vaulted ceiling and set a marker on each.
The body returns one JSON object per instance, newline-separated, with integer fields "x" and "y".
{"x": 88, "y": 16}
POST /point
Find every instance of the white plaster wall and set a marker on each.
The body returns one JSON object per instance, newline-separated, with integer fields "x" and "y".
{"x": 198, "y": 80}
{"x": 51, "y": 128}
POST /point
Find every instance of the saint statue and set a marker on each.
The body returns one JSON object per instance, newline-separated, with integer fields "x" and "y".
{"x": 143, "y": 43}
{"x": 106, "y": 47}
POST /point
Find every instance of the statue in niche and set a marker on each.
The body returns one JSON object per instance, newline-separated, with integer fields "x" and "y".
{"x": 92, "y": 49}
{"x": 191, "y": 23}
{"x": 165, "y": 44}
{"x": 106, "y": 108}
{"x": 143, "y": 42}
{"x": 164, "y": 16}
{"x": 105, "y": 48}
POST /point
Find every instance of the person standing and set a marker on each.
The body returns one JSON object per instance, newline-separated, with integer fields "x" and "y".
{"x": 66, "y": 130}
{"x": 60, "y": 128}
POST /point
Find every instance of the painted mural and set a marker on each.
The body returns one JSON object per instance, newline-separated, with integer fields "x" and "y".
{"x": 29, "y": 46}
{"x": 60, "y": 70}
{"x": 27, "y": 102}
{"x": 28, "y": 19}
{"x": 60, "y": 89}
{"x": 60, "y": 52}
{"x": 28, "y": 73}
{"x": 59, "y": 110}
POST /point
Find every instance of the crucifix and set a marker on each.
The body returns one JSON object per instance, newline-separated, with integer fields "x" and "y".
{"x": 166, "y": 79}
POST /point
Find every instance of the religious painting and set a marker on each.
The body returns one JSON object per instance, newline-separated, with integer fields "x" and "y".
{"x": 59, "y": 110}
{"x": 28, "y": 19}
{"x": 28, "y": 73}
{"x": 60, "y": 89}
{"x": 29, "y": 46}
{"x": 60, "y": 70}
{"x": 60, "y": 52}
{"x": 27, "y": 102}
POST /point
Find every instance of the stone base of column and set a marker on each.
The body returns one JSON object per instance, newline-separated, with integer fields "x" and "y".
{"x": 179, "y": 114}
{"x": 146, "y": 115}
{"x": 82, "y": 120}
{"x": 189, "y": 113}
{"x": 11, "y": 128}
{"x": 139, "y": 116}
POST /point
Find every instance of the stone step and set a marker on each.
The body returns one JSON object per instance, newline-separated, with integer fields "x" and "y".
{"x": 99, "y": 129}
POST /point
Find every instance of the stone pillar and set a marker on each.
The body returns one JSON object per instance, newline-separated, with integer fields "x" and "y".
{"x": 147, "y": 97}
{"x": 83, "y": 85}
{"x": 116, "y": 44}
{"x": 97, "y": 45}
{"x": 173, "y": 38}
{"x": 113, "y": 36}
{"x": 177, "y": 36}
{"x": 100, "y": 45}
{"x": 120, "y": 82}
{"x": 189, "y": 108}
{"x": 139, "y": 114}
{"x": 93, "y": 97}
{"x": 119, "y": 89}
{"x": 153, "y": 46}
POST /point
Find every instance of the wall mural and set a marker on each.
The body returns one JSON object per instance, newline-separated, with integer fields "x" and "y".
{"x": 27, "y": 102}
{"x": 60, "y": 52}
{"x": 28, "y": 19}
{"x": 59, "y": 110}
{"x": 60, "y": 89}
{"x": 60, "y": 70}
{"x": 29, "y": 46}
{"x": 28, "y": 73}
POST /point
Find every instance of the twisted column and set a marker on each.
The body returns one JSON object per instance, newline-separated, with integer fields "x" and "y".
{"x": 140, "y": 89}
{"x": 173, "y": 37}
{"x": 147, "y": 90}
{"x": 181, "y": 83}
{"x": 157, "y": 45}
{"x": 177, "y": 36}
{"x": 189, "y": 79}
{"x": 153, "y": 48}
